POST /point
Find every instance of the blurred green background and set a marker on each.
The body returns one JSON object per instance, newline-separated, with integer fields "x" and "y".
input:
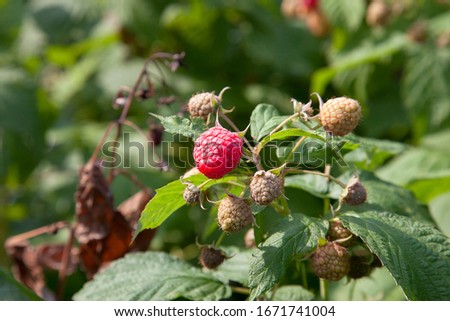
{"x": 63, "y": 61}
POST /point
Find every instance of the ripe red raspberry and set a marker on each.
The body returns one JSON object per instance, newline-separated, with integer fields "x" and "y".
{"x": 355, "y": 192}
{"x": 201, "y": 105}
{"x": 331, "y": 261}
{"x": 234, "y": 214}
{"x": 210, "y": 257}
{"x": 337, "y": 231}
{"x": 217, "y": 152}
{"x": 310, "y": 4}
{"x": 265, "y": 187}
{"x": 340, "y": 116}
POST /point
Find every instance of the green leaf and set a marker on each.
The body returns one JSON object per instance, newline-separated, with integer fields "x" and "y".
{"x": 316, "y": 185}
{"x": 361, "y": 55}
{"x": 270, "y": 125}
{"x": 427, "y": 83}
{"x": 153, "y": 276}
{"x": 430, "y": 186}
{"x": 370, "y": 153}
{"x": 293, "y": 236}
{"x": 260, "y": 116}
{"x": 439, "y": 211}
{"x": 182, "y": 126}
{"x": 11, "y": 290}
{"x": 292, "y": 293}
{"x": 237, "y": 266}
{"x": 168, "y": 199}
{"x": 417, "y": 255}
{"x": 415, "y": 164}
{"x": 286, "y": 133}
{"x": 379, "y": 286}
{"x": 345, "y": 13}
{"x": 390, "y": 197}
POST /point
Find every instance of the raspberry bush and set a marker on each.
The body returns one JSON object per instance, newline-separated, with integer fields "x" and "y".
{"x": 321, "y": 173}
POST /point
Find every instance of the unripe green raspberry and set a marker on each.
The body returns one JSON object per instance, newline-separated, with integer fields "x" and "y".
{"x": 234, "y": 214}
{"x": 210, "y": 257}
{"x": 337, "y": 231}
{"x": 265, "y": 187}
{"x": 355, "y": 193}
{"x": 340, "y": 116}
{"x": 331, "y": 261}
{"x": 201, "y": 105}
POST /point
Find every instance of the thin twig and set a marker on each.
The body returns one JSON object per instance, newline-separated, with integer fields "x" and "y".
{"x": 48, "y": 229}
{"x": 64, "y": 264}
{"x": 132, "y": 177}
{"x": 305, "y": 171}
{"x": 284, "y": 122}
{"x": 299, "y": 142}
{"x": 255, "y": 158}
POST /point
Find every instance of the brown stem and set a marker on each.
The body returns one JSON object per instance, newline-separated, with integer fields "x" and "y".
{"x": 48, "y": 229}
{"x": 133, "y": 178}
{"x": 126, "y": 108}
{"x": 64, "y": 264}
{"x": 99, "y": 146}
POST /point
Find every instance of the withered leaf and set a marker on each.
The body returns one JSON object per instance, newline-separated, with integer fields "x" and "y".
{"x": 98, "y": 253}
{"x": 50, "y": 257}
{"x": 94, "y": 204}
{"x": 131, "y": 209}
{"x": 26, "y": 268}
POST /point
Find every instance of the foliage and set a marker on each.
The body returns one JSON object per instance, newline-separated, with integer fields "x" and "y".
{"x": 66, "y": 70}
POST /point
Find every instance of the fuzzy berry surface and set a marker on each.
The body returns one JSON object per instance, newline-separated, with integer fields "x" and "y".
{"x": 355, "y": 193}
{"x": 337, "y": 231}
{"x": 265, "y": 187}
{"x": 191, "y": 194}
{"x": 234, "y": 214}
{"x": 331, "y": 261}
{"x": 211, "y": 257}
{"x": 200, "y": 105}
{"x": 217, "y": 152}
{"x": 340, "y": 116}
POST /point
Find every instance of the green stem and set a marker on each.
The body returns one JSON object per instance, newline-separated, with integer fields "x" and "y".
{"x": 304, "y": 275}
{"x": 305, "y": 171}
{"x": 287, "y": 120}
{"x": 297, "y": 145}
{"x": 220, "y": 239}
{"x": 241, "y": 290}
{"x": 323, "y": 290}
